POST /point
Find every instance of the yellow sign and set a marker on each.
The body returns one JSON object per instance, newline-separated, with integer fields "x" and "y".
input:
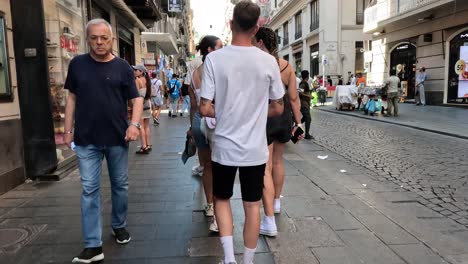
{"x": 460, "y": 67}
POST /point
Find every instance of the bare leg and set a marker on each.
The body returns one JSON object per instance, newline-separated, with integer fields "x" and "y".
{"x": 224, "y": 217}
{"x": 278, "y": 168}
{"x": 146, "y": 126}
{"x": 252, "y": 223}
{"x": 205, "y": 161}
{"x": 143, "y": 135}
{"x": 158, "y": 111}
{"x": 268, "y": 187}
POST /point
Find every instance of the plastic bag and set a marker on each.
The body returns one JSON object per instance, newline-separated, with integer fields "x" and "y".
{"x": 378, "y": 105}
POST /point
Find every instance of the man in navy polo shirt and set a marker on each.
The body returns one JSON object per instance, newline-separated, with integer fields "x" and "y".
{"x": 100, "y": 85}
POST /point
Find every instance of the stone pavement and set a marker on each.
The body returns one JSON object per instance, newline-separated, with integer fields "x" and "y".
{"x": 450, "y": 121}
{"x": 333, "y": 211}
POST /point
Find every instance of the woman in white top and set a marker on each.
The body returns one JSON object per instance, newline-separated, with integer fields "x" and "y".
{"x": 207, "y": 45}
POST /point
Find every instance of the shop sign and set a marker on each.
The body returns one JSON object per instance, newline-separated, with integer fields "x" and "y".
{"x": 368, "y": 56}
{"x": 149, "y": 56}
{"x": 70, "y": 44}
{"x": 464, "y": 35}
{"x": 174, "y": 5}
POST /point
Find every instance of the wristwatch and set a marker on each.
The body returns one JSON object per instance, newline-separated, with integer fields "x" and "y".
{"x": 137, "y": 125}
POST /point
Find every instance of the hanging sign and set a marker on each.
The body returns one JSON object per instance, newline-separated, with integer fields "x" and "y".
{"x": 174, "y": 5}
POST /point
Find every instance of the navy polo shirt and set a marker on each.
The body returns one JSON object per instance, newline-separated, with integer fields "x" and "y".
{"x": 102, "y": 91}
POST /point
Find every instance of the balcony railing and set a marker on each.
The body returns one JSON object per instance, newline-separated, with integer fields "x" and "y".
{"x": 386, "y": 9}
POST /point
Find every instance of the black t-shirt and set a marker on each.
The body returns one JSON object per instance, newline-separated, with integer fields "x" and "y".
{"x": 184, "y": 89}
{"x": 102, "y": 90}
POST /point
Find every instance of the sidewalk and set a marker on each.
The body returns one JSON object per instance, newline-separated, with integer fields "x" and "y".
{"x": 333, "y": 212}
{"x": 449, "y": 121}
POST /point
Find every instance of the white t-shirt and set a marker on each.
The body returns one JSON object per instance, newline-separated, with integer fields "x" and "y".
{"x": 241, "y": 80}
{"x": 156, "y": 87}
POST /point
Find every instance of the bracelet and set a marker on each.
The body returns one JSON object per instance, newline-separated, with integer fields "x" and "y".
{"x": 68, "y": 132}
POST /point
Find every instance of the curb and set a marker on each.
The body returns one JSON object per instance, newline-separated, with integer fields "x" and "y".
{"x": 396, "y": 123}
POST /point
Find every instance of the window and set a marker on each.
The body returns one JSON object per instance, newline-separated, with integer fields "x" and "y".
{"x": 5, "y": 87}
{"x": 361, "y": 5}
{"x": 314, "y": 60}
{"x": 314, "y": 15}
{"x": 298, "y": 24}
{"x": 278, "y": 39}
{"x": 285, "y": 34}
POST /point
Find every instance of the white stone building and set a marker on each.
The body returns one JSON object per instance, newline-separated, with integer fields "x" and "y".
{"x": 309, "y": 29}
{"x": 409, "y": 34}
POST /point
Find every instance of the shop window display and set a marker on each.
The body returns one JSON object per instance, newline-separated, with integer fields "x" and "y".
{"x": 458, "y": 71}
{"x": 64, "y": 22}
{"x": 5, "y": 88}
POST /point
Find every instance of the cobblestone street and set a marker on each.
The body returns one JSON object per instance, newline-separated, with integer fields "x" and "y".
{"x": 430, "y": 165}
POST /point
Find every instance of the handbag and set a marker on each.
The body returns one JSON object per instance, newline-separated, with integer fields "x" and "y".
{"x": 190, "y": 149}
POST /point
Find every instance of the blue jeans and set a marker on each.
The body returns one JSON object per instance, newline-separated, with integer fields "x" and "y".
{"x": 90, "y": 164}
{"x": 186, "y": 103}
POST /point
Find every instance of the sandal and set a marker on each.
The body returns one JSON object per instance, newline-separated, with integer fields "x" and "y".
{"x": 149, "y": 147}
{"x": 142, "y": 151}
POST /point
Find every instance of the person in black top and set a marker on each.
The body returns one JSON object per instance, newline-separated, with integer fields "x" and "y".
{"x": 329, "y": 80}
{"x": 305, "y": 95}
{"x": 100, "y": 85}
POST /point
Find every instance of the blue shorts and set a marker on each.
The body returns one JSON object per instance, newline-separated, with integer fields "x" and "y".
{"x": 199, "y": 137}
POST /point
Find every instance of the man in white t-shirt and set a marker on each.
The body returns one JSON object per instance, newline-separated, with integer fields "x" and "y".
{"x": 239, "y": 141}
{"x": 156, "y": 97}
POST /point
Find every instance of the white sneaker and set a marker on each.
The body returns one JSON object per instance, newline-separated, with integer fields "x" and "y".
{"x": 268, "y": 227}
{"x": 222, "y": 262}
{"x": 209, "y": 210}
{"x": 277, "y": 206}
{"x": 197, "y": 170}
{"x": 214, "y": 225}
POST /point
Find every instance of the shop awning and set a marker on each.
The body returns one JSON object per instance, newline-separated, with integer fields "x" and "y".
{"x": 165, "y": 41}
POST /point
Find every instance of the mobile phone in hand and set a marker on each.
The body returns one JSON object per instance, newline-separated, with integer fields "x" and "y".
{"x": 296, "y": 135}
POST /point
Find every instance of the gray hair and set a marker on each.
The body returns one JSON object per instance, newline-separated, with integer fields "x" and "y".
{"x": 98, "y": 21}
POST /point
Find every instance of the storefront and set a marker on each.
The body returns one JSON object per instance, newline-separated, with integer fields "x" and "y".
{"x": 64, "y": 24}
{"x": 457, "y": 70}
{"x": 298, "y": 62}
{"x": 403, "y": 63}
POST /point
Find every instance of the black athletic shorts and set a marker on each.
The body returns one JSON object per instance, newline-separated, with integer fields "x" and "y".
{"x": 251, "y": 179}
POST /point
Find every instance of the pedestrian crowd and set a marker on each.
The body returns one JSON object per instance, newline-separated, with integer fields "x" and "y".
{"x": 244, "y": 104}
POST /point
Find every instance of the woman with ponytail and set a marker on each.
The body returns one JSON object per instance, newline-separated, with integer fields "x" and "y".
{"x": 279, "y": 131}
{"x": 207, "y": 44}
{"x": 143, "y": 83}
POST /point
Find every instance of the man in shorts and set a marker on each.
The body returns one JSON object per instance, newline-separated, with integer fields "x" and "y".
{"x": 156, "y": 97}
{"x": 239, "y": 141}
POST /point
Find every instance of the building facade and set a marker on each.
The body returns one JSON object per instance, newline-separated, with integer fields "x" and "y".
{"x": 409, "y": 34}
{"x": 34, "y": 58}
{"x": 310, "y": 29}
{"x": 11, "y": 142}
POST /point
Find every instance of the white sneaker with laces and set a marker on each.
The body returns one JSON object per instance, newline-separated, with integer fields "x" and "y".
{"x": 268, "y": 227}
{"x": 209, "y": 210}
{"x": 214, "y": 226}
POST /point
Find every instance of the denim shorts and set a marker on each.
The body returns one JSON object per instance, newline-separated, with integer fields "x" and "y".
{"x": 200, "y": 140}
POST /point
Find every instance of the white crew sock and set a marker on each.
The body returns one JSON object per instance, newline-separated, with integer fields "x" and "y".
{"x": 277, "y": 204}
{"x": 249, "y": 255}
{"x": 228, "y": 247}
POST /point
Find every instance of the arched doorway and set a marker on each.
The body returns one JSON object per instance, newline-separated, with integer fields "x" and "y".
{"x": 403, "y": 63}
{"x": 458, "y": 71}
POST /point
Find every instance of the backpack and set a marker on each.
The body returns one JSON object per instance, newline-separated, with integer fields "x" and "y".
{"x": 173, "y": 91}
